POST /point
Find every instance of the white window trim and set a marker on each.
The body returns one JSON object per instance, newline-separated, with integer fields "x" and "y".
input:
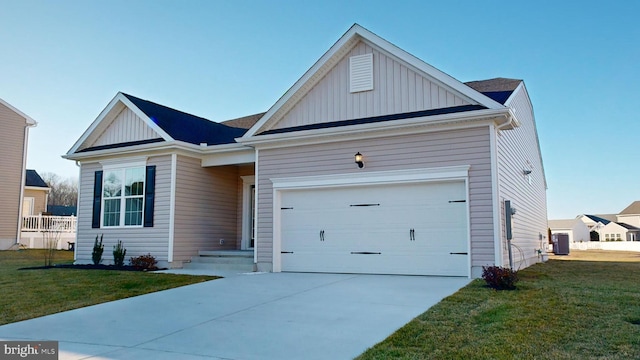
{"x": 122, "y": 164}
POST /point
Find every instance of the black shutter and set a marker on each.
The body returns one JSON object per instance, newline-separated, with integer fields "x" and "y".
{"x": 149, "y": 196}
{"x": 97, "y": 199}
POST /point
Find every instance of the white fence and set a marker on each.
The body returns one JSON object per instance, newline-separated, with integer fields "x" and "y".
{"x": 36, "y": 227}
{"x": 606, "y": 245}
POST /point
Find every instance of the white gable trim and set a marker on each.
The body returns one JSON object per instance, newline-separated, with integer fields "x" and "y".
{"x": 29, "y": 120}
{"x": 340, "y": 48}
{"x": 120, "y": 98}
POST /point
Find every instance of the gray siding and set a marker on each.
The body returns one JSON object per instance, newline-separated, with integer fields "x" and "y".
{"x": 446, "y": 148}
{"x": 517, "y": 150}
{"x": 137, "y": 241}
{"x": 396, "y": 89}
{"x": 205, "y": 208}
{"x": 11, "y": 162}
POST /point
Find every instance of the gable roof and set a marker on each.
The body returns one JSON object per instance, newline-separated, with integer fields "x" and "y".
{"x": 597, "y": 219}
{"x": 633, "y": 209}
{"x": 627, "y": 226}
{"x": 27, "y": 118}
{"x": 186, "y": 127}
{"x": 32, "y": 178}
{"x": 169, "y": 124}
{"x": 355, "y": 34}
{"x": 498, "y": 89}
{"x": 562, "y": 223}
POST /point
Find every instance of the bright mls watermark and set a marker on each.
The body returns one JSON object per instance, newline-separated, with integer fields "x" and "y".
{"x": 39, "y": 350}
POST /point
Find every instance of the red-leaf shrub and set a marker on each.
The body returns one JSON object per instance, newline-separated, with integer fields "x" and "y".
{"x": 144, "y": 262}
{"x": 500, "y": 278}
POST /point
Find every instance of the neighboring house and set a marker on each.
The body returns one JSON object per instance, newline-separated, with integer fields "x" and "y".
{"x": 617, "y": 231}
{"x": 576, "y": 229}
{"x": 36, "y": 194}
{"x": 13, "y": 159}
{"x": 631, "y": 214}
{"x": 596, "y": 222}
{"x": 436, "y": 161}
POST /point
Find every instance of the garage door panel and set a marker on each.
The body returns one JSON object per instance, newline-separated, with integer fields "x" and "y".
{"x": 416, "y": 229}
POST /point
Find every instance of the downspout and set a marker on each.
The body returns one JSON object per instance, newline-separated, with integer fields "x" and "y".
{"x": 510, "y": 120}
{"x": 23, "y": 178}
{"x": 75, "y": 247}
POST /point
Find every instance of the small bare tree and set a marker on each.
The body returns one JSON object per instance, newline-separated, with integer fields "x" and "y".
{"x": 63, "y": 191}
{"x": 50, "y": 239}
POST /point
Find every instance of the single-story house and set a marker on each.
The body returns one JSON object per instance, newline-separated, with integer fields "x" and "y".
{"x": 618, "y": 231}
{"x": 36, "y": 194}
{"x": 596, "y": 222}
{"x": 576, "y": 229}
{"x": 372, "y": 162}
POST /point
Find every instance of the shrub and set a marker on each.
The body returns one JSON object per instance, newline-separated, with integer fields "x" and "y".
{"x": 144, "y": 262}
{"x": 500, "y": 278}
{"x": 98, "y": 249}
{"x": 119, "y": 253}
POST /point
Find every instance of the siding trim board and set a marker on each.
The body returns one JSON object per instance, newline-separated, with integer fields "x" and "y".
{"x": 411, "y": 126}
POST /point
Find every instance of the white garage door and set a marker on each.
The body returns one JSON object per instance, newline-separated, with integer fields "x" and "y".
{"x": 416, "y": 229}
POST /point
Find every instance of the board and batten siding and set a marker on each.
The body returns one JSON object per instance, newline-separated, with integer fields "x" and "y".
{"x": 12, "y": 141}
{"x": 206, "y": 205}
{"x": 137, "y": 240}
{"x": 396, "y": 89}
{"x": 430, "y": 150}
{"x": 126, "y": 127}
{"x": 518, "y": 150}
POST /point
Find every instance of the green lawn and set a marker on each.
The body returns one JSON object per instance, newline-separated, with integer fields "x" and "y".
{"x": 26, "y": 294}
{"x": 561, "y": 310}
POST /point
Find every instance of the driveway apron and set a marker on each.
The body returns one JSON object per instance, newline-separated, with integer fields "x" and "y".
{"x": 248, "y": 316}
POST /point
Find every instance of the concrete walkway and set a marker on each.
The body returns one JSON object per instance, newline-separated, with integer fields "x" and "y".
{"x": 257, "y": 316}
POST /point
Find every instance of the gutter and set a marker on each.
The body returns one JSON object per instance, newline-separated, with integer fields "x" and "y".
{"x": 30, "y": 123}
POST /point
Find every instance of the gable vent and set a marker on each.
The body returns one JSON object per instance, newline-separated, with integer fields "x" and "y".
{"x": 361, "y": 73}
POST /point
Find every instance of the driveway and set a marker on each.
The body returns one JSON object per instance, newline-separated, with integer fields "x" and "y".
{"x": 257, "y": 316}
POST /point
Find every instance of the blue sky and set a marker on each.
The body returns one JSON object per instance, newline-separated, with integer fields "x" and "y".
{"x": 63, "y": 61}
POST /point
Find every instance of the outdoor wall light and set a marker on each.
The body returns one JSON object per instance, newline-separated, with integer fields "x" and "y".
{"x": 359, "y": 160}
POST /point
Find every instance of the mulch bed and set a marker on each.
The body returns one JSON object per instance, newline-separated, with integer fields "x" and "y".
{"x": 91, "y": 267}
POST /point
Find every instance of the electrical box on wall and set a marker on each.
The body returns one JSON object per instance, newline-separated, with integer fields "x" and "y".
{"x": 509, "y": 212}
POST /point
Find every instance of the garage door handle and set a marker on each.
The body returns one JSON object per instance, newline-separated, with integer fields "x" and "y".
{"x": 321, "y": 235}
{"x": 459, "y": 253}
{"x": 412, "y": 234}
{"x": 286, "y": 252}
{"x": 365, "y": 253}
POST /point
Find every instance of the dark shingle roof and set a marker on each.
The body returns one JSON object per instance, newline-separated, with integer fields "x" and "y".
{"x": 409, "y": 115}
{"x": 627, "y": 226}
{"x": 33, "y": 179}
{"x": 598, "y": 219}
{"x": 245, "y": 122}
{"x": 498, "y": 89}
{"x": 632, "y": 209}
{"x": 186, "y": 127}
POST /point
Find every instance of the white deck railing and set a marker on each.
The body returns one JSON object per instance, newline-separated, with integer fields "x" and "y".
{"x": 41, "y": 223}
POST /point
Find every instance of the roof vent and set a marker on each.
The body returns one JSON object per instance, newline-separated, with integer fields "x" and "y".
{"x": 361, "y": 73}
